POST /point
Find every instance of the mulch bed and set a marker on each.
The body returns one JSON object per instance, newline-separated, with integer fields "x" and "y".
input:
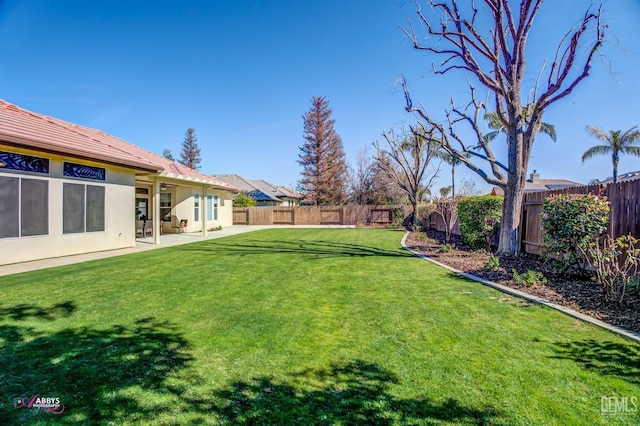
{"x": 580, "y": 294}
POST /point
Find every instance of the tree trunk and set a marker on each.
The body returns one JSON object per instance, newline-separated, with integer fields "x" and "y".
{"x": 414, "y": 204}
{"x": 511, "y": 215}
{"x": 453, "y": 180}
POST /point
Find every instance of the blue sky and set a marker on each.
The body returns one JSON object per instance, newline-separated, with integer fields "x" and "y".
{"x": 242, "y": 73}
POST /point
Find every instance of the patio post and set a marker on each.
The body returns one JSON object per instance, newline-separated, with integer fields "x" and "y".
{"x": 156, "y": 211}
{"x": 204, "y": 211}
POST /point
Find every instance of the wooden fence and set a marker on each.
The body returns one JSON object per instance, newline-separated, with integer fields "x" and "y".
{"x": 316, "y": 215}
{"x": 624, "y": 198}
{"x": 624, "y": 218}
{"x": 437, "y": 223}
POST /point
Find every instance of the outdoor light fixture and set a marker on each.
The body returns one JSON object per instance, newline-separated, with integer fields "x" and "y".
{"x": 163, "y": 186}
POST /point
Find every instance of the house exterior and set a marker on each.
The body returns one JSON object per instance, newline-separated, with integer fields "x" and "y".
{"x": 265, "y": 193}
{"x": 621, "y": 178}
{"x": 67, "y": 189}
{"x": 535, "y": 184}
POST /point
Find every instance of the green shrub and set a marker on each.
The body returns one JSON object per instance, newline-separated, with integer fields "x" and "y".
{"x": 397, "y": 216}
{"x": 419, "y": 236}
{"x": 634, "y": 287}
{"x": 479, "y": 219}
{"x": 530, "y": 278}
{"x": 446, "y": 248}
{"x": 244, "y": 200}
{"x": 570, "y": 222}
{"x": 615, "y": 264}
{"x": 493, "y": 263}
{"x": 424, "y": 214}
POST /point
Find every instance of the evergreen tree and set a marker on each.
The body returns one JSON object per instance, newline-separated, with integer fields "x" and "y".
{"x": 166, "y": 153}
{"x": 322, "y": 156}
{"x": 190, "y": 154}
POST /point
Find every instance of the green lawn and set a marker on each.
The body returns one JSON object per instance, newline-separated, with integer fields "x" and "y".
{"x": 299, "y": 326}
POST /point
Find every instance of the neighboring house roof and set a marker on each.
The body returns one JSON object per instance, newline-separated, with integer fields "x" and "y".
{"x": 622, "y": 177}
{"x": 278, "y": 191}
{"x": 246, "y": 186}
{"x": 535, "y": 184}
{"x": 260, "y": 190}
{"x": 27, "y": 129}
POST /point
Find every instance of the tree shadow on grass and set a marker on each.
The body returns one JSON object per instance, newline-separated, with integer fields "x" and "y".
{"x": 87, "y": 368}
{"x": 310, "y": 248}
{"x": 25, "y": 311}
{"x": 613, "y": 359}
{"x": 141, "y": 372}
{"x": 351, "y": 393}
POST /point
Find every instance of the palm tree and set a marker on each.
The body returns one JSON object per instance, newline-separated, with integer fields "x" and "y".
{"x": 453, "y": 161}
{"x": 615, "y": 143}
{"x": 498, "y": 127}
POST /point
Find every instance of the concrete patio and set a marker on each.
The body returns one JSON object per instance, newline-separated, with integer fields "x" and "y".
{"x": 142, "y": 244}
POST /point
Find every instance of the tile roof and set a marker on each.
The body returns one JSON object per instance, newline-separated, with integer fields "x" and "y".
{"x": 278, "y": 191}
{"x": 28, "y": 129}
{"x": 259, "y": 189}
{"x": 248, "y": 186}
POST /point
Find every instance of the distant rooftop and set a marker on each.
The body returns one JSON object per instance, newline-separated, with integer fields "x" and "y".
{"x": 259, "y": 190}
{"x": 535, "y": 184}
{"x": 621, "y": 177}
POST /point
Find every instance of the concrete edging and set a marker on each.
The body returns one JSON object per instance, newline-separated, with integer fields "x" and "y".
{"x": 570, "y": 312}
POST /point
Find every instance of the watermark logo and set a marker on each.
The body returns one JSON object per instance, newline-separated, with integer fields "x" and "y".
{"x": 618, "y": 404}
{"x": 36, "y": 402}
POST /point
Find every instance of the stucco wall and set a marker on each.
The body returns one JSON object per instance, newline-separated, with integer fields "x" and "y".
{"x": 119, "y": 219}
{"x": 184, "y": 208}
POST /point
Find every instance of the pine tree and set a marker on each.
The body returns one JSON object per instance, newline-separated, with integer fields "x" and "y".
{"x": 190, "y": 154}
{"x": 322, "y": 156}
{"x": 166, "y": 153}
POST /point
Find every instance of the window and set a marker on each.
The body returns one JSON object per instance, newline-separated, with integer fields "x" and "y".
{"x": 142, "y": 208}
{"x": 24, "y": 207}
{"x": 82, "y": 171}
{"x": 196, "y": 207}
{"x": 83, "y": 208}
{"x": 209, "y": 207}
{"x": 165, "y": 206}
{"x": 25, "y": 163}
{"x": 34, "y": 207}
{"x": 95, "y": 208}
{"x": 215, "y": 207}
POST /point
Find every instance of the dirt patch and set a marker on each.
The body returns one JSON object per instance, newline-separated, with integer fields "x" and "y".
{"x": 580, "y": 294}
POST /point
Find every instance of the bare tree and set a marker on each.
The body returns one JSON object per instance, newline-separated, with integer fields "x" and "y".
{"x": 468, "y": 188}
{"x": 385, "y": 191}
{"x": 447, "y": 209}
{"x": 361, "y": 178}
{"x": 406, "y": 162}
{"x": 190, "y": 154}
{"x": 496, "y": 60}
